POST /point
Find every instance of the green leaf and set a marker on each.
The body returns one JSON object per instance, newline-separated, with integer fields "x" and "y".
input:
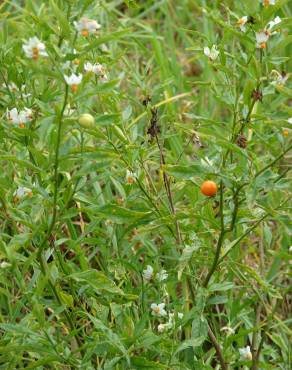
{"x": 221, "y": 287}
{"x": 67, "y": 299}
{"x": 189, "y": 343}
{"x": 185, "y": 172}
{"x": 103, "y": 39}
{"x": 284, "y": 90}
{"x": 186, "y": 256}
{"x": 200, "y": 327}
{"x": 97, "y": 280}
{"x": 22, "y": 163}
{"x": 62, "y": 19}
{"x": 144, "y": 363}
{"x": 110, "y": 336}
{"x": 120, "y": 214}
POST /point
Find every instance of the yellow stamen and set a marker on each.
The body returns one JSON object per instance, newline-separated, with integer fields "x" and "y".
{"x": 285, "y": 132}
{"x": 130, "y": 180}
{"x": 35, "y": 53}
{"x": 74, "y": 88}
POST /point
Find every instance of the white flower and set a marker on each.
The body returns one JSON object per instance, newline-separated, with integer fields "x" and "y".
{"x": 162, "y": 327}
{"x": 171, "y": 322}
{"x": 97, "y": 69}
{"x": 19, "y": 118}
{"x": 12, "y": 87}
{"x": 104, "y": 48}
{"x": 12, "y": 115}
{"x": 273, "y": 23}
{"x": 211, "y": 54}
{"x": 66, "y": 65}
{"x": 148, "y": 273}
{"x": 23, "y": 93}
{"x": 242, "y": 23}
{"x": 180, "y": 315}
{"x": 130, "y": 177}
{"x": 34, "y": 47}
{"x": 228, "y": 330}
{"x": 73, "y": 81}
{"x": 25, "y": 115}
{"x": 290, "y": 249}
{"x": 245, "y": 353}
{"x": 94, "y": 68}
{"x": 261, "y": 39}
{"x": 85, "y": 26}
{"x": 279, "y": 78}
{"x": 268, "y": 2}
{"x": 158, "y": 309}
{"x": 289, "y": 120}
{"x": 4, "y": 264}
{"x": 21, "y": 192}
{"x": 162, "y": 275}
{"x": 69, "y": 110}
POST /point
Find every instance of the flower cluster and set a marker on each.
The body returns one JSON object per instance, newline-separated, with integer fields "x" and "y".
{"x": 34, "y": 48}
{"x": 148, "y": 274}
{"x": 171, "y": 322}
{"x": 97, "y": 69}
{"x": 19, "y": 118}
{"x": 212, "y": 53}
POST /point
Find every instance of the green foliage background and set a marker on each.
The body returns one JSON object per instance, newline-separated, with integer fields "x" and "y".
{"x": 72, "y": 254}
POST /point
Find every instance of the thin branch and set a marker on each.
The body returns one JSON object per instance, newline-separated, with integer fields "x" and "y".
{"x": 168, "y": 190}
{"x": 224, "y": 365}
{"x": 219, "y": 242}
{"x": 255, "y": 335}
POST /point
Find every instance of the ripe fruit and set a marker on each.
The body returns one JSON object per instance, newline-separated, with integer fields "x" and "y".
{"x": 286, "y": 132}
{"x": 209, "y": 188}
{"x": 86, "y": 120}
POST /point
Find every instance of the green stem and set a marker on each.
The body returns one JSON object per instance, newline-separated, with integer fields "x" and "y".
{"x": 219, "y": 242}
{"x": 274, "y": 161}
{"x": 56, "y": 167}
{"x": 42, "y": 261}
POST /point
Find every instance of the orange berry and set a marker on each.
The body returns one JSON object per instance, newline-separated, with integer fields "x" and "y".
{"x": 84, "y": 33}
{"x": 285, "y": 132}
{"x": 263, "y": 45}
{"x": 209, "y": 188}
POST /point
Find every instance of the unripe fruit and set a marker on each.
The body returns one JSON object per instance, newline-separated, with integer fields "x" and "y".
{"x": 209, "y": 188}
{"x": 86, "y": 120}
